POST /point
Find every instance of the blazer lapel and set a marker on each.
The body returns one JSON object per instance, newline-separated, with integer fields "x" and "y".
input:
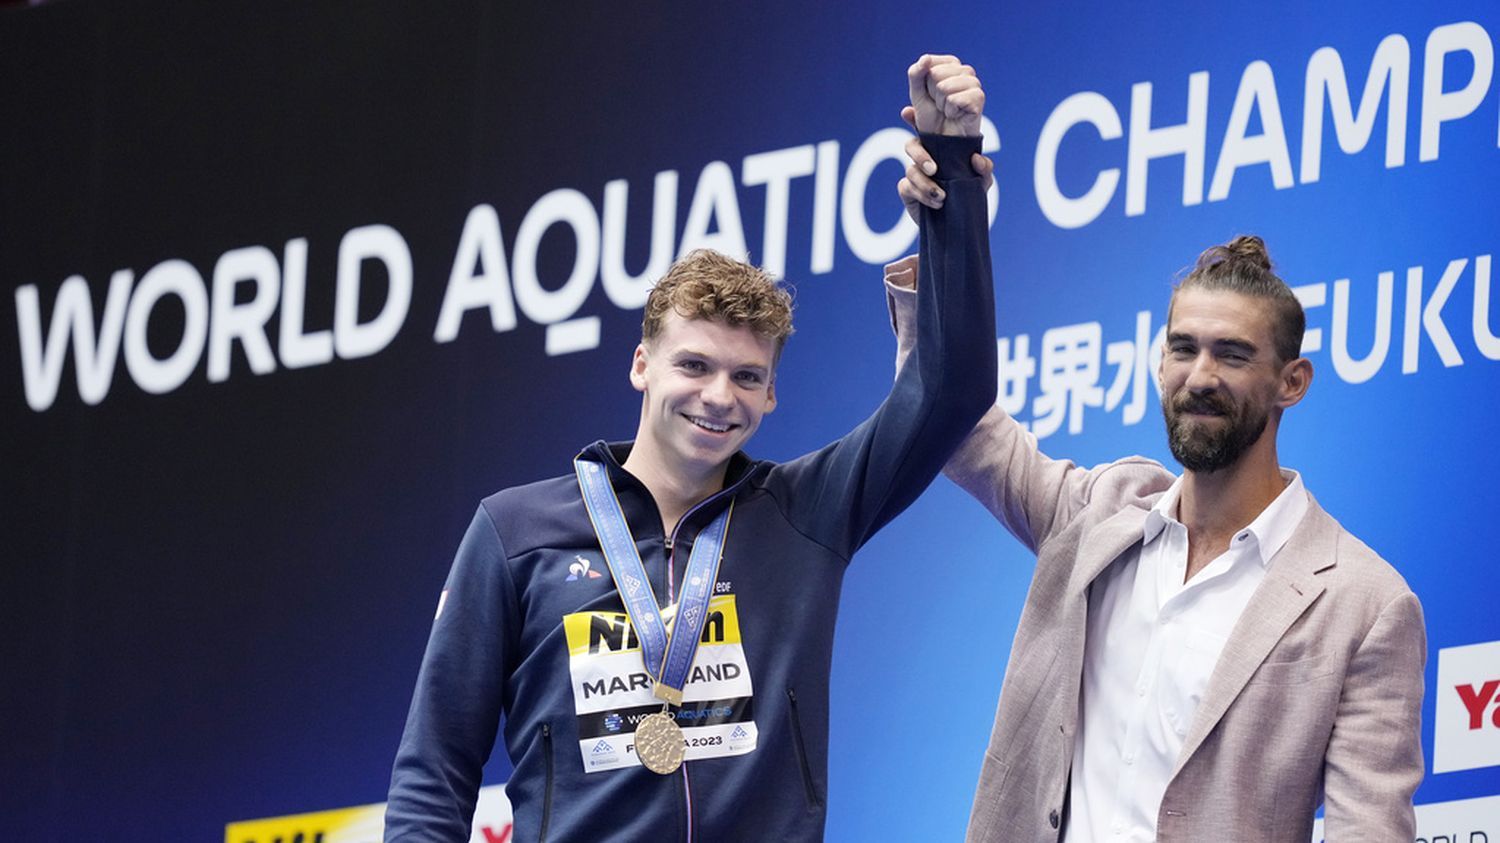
{"x": 1289, "y": 588}
{"x": 1104, "y": 543}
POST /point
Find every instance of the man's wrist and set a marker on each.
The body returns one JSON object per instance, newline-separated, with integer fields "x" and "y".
{"x": 953, "y": 155}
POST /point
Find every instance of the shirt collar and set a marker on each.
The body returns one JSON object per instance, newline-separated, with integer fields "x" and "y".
{"x": 1163, "y": 513}
{"x": 1270, "y": 530}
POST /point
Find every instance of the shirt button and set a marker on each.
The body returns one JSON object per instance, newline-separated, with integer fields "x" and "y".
{"x": 1053, "y": 819}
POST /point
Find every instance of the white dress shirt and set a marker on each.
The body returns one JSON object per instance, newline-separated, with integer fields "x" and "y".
{"x": 1152, "y": 644}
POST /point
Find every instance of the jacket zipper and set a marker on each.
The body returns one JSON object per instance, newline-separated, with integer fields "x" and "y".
{"x": 813, "y": 798}
{"x": 669, "y": 542}
{"x": 546, "y": 794}
{"x": 726, "y": 492}
{"x": 687, "y": 804}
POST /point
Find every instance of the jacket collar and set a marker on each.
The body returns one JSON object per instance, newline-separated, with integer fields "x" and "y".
{"x": 640, "y": 508}
{"x": 1108, "y": 541}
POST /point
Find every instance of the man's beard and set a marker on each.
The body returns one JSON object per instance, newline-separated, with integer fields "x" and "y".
{"x": 1203, "y": 449}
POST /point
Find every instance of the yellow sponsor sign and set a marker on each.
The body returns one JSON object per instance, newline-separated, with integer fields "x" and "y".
{"x": 361, "y": 824}
{"x": 610, "y": 632}
{"x": 366, "y": 824}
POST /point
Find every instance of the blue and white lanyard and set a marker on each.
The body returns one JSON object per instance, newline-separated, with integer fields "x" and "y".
{"x": 668, "y": 658}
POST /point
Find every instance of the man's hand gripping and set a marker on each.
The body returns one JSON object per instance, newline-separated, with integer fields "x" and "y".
{"x": 946, "y": 99}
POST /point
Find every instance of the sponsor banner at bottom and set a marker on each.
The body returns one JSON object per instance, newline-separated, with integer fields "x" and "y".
{"x": 616, "y": 751}
{"x": 366, "y": 824}
{"x": 1460, "y": 821}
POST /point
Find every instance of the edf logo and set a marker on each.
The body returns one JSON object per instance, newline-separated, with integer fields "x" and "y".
{"x": 1467, "y": 734}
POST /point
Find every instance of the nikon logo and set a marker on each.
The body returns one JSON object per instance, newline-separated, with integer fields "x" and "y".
{"x": 613, "y": 633}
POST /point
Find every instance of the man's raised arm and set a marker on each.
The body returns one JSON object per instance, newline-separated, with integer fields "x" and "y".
{"x": 854, "y": 486}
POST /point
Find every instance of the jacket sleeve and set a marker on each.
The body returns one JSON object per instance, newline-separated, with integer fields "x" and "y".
{"x": 455, "y": 709}
{"x": 1374, "y": 759}
{"x": 841, "y": 494}
{"x": 999, "y": 462}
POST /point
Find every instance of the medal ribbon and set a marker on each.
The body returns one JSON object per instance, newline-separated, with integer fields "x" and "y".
{"x": 668, "y": 658}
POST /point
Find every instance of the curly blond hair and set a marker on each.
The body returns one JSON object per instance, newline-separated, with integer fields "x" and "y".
{"x": 704, "y": 284}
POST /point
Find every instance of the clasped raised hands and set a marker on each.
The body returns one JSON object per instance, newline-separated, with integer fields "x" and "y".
{"x": 946, "y": 99}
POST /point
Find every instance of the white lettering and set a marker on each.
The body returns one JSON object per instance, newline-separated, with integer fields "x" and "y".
{"x": 572, "y": 208}
{"x": 1348, "y": 368}
{"x": 1064, "y": 211}
{"x": 1257, "y": 91}
{"x": 180, "y": 279}
{"x": 825, "y": 199}
{"x": 1311, "y": 296}
{"x": 989, "y": 143}
{"x": 1431, "y": 317}
{"x": 73, "y": 313}
{"x": 245, "y": 322}
{"x": 1489, "y": 344}
{"x": 866, "y": 244}
{"x": 1325, "y": 71}
{"x": 296, "y": 348}
{"x": 714, "y": 198}
{"x": 776, "y": 170}
{"x": 1439, "y": 107}
{"x": 352, "y": 338}
{"x": 1185, "y": 139}
{"x": 624, "y": 290}
{"x": 479, "y": 277}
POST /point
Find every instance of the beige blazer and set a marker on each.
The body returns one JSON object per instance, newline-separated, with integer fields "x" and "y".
{"x": 1316, "y": 698}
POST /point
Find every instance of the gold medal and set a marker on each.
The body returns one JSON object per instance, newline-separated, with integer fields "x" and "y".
{"x": 658, "y": 743}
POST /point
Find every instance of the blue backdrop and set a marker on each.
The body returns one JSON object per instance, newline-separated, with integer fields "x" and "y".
{"x": 342, "y": 272}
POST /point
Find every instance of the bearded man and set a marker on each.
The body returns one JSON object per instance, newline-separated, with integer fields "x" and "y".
{"x": 1203, "y": 657}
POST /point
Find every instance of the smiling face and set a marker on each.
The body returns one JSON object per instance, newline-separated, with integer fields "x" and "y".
{"x": 1222, "y": 380}
{"x": 705, "y": 386}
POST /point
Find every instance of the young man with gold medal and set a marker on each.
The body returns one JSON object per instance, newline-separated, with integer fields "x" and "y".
{"x": 682, "y": 694}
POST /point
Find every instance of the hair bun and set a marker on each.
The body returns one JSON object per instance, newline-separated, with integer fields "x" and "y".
{"x": 1251, "y": 248}
{"x": 1246, "y": 248}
